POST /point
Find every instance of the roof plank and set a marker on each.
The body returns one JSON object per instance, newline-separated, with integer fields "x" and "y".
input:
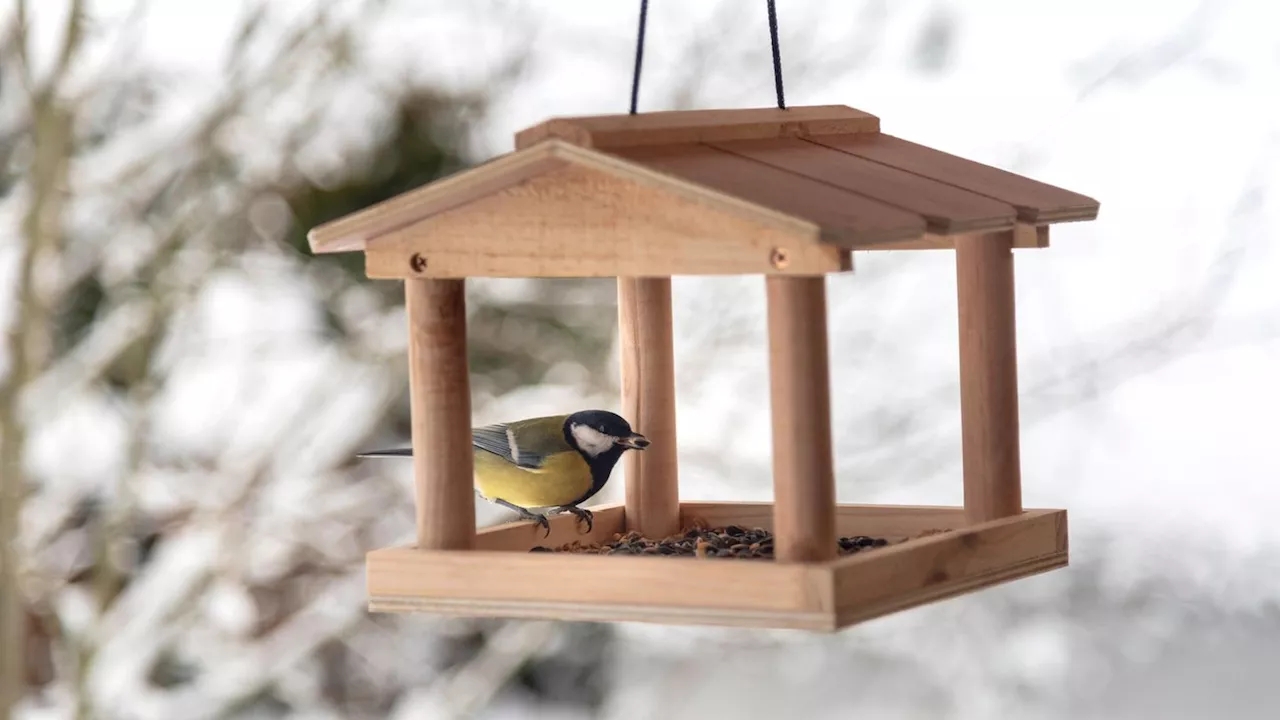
{"x": 354, "y": 231}
{"x": 845, "y": 217}
{"x": 585, "y": 221}
{"x": 947, "y": 209}
{"x": 1036, "y": 202}
{"x": 689, "y": 126}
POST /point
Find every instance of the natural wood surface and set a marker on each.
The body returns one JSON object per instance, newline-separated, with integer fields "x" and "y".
{"x": 521, "y": 535}
{"x": 924, "y": 570}
{"x": 661, "y": 589}
{"x": 892, "y": 522}
{"x": 807, "y": 182}
{"x": 846, "y": 218}
{"x": 582, "y": 221}
{"x": 1036, "y": 202}
{"x": 945, "y": 208}
{"x": 804, "y": 486}
{"x": 756, "y": 593}
{"x": 649, "y": 404}
{"x": 684, "y": 126}
{"x": 1024, "y": 236}
{"x": 440, "y": 408}
{"x": 666, "y": 613}
{"x": 988, "y": 377}
{"x": 354, "y": 231}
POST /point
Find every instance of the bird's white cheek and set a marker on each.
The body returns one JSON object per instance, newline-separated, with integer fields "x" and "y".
{"x": 592, "y": 441}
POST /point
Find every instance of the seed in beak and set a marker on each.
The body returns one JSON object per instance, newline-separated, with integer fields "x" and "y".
{"x": 637, "y": 441}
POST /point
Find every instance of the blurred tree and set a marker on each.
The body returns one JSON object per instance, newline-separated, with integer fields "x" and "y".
{"x": 511, "y": 344}
{"x": 102, "y": 310}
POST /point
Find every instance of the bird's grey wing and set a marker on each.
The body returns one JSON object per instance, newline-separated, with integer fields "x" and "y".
{"x": 498, "y": 439}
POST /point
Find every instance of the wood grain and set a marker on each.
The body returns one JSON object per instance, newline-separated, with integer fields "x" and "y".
{"x": 579, "y": 221}
{"x": 649, "y": 404}
{"x": 846, "y": 218}
{"x": 893, "y": 522}
{"x": 354, "y": 231}
{"x": 686, "y": 126}
{"x": 854, "y": 195}
{"x": 664, "y": 614}
{"x": 988, "y": 376}
{"x": 522, "y": 535}
{"x": 357, "y": 230}
{"x": 1024, "y": 236}
{"x": 800, "y": 398}
{"x": 945, "y": 208}
{"x": 628, "y": 588}
{"x": 1036, "y": 202}
{"x": 440, "y": 409}
{"x": 822, "y": 596}
{"x": 932, "y": 568}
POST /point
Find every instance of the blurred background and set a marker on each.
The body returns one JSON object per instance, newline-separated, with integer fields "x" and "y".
{"x": 183, "y": 385}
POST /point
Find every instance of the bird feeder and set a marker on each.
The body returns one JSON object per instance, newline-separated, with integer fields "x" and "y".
{"x": 786, "y": 194}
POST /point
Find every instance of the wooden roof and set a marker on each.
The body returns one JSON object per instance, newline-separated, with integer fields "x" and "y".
{"x": 700, "y": 192}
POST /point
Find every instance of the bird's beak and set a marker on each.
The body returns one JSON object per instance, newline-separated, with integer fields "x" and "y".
{"x": 636, "y": 441}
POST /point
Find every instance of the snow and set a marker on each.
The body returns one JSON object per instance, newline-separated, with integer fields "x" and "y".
{"x": 1163, "y": 111}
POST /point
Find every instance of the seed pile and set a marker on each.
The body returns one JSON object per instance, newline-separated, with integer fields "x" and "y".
{"x": 730, "y": 541}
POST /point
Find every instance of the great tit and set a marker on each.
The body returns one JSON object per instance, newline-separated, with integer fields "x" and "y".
{"x": 555, "y": 462}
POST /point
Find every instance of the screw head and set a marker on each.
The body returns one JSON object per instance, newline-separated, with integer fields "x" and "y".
{"x": 780, "y": 258}
{"x": 417, "y": 263}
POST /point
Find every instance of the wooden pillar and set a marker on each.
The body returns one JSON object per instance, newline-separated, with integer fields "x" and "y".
{"x": 988, "y": 376}
{"x": 440, "y": 404}
{"x": 804, "y": 486}
{"x": 649, "y": 404}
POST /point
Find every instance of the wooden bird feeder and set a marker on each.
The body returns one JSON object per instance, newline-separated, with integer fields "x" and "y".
{"x": 787, "y": 194}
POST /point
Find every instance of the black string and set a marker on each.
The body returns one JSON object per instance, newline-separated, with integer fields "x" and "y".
{"x": 635, "y": 76}
{"x": 777, "y": 55}
{"x": 773, "y": 41}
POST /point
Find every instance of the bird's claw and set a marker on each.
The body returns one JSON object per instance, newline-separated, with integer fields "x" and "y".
{"x": 527, "y": 515}
{"x": 543, "y": 521}
{"x": 537, "y": 519}
{"x": 582, "y": 514}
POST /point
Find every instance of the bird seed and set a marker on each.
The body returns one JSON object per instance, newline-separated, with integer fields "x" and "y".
{"x": 700, "y": 542}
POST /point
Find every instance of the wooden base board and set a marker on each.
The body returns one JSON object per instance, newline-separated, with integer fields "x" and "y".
{"x": 502, "y": 579}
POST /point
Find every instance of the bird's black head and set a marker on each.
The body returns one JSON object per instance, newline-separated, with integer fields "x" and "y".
{"x": 600, "y": 437}
{"x": 598, "y": 433}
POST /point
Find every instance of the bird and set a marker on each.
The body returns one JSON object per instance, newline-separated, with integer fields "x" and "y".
{"x": 555, "y": 462}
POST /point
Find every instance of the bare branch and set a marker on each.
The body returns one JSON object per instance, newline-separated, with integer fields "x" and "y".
{"x": 72, "y": 40}
{"x": 27, "y": 343}
{"x": 22, "y": 47}
{"x": 470, "y": 687}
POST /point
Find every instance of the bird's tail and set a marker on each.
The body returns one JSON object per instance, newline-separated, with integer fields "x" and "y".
{"x": 394, "y": 452}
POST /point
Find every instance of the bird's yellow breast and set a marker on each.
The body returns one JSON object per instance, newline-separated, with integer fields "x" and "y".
{"x": 563, "y": 478}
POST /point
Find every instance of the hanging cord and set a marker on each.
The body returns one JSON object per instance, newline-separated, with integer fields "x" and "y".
{"x": 773, "y": 41}
{"x": 777, "y": 55}
{"x": 635, "y": 76}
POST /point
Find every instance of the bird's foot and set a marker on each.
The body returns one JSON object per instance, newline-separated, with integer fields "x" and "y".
{"x": 582, "y": 514}
{"x": 539, "y": 519}
{"x": 526, "y": 514}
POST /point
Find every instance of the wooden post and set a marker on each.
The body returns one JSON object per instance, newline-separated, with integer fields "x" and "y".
{"x": 988, "y": 376}
{"x": 440, "y": 405}
{"x": 649, "y": 404}
{"x": 804, "y": 486}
